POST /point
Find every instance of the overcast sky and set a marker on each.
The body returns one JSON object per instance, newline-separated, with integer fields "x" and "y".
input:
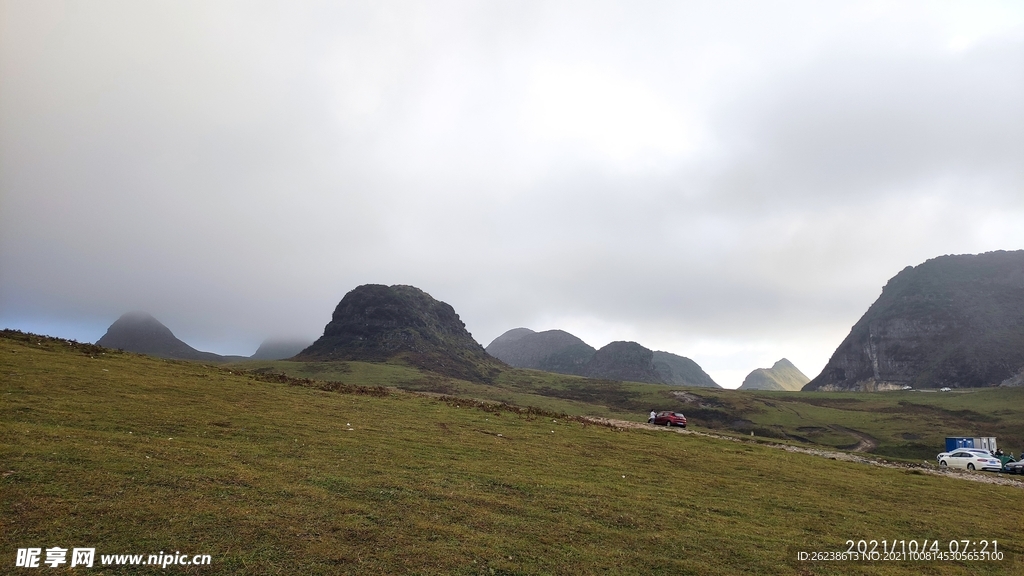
{"x": 729, "y": 181}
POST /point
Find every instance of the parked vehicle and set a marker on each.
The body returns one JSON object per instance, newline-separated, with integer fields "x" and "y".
{"x": 971, "y": 461}
{"x": 1004, "y": 459}
{"x": 978, "y": 451}
{"x": 670, "y": 419}
{"x": 1014, "y": 467}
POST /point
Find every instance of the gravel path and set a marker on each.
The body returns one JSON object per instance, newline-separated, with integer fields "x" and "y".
{"x": 858, "y": 456}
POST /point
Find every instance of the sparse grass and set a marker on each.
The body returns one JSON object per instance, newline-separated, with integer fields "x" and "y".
{"x": 906, "y": 425}
{"x": 137, "y": 455}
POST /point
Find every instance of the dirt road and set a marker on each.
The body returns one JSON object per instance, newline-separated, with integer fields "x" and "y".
{"x": 857, "y": 455}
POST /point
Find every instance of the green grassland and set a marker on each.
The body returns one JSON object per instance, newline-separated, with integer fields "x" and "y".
{"x": 903, "y": 425}
{"x": 131, "y": 454}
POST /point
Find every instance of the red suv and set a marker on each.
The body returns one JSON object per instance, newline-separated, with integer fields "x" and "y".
{"x": 670, "y": 419}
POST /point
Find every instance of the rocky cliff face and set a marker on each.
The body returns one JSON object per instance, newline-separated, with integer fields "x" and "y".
{"x": 783, "y": 375}
{"x": 376, "y": 323}
{"x": 954, "y": 321}
{"x": 551, "y": 350}
{"x": 139, "y": 332}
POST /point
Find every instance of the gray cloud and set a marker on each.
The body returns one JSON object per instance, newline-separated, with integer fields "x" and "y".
{"x": 733, "y": 182}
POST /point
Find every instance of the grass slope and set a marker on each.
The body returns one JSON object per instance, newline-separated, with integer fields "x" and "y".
{"x": 908, "y": 425}
{"x": 132, "y": 454}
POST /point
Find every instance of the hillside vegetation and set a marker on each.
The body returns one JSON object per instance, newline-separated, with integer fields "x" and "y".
{"x": 133, "y": 454}
{"x": 900, "y": 424}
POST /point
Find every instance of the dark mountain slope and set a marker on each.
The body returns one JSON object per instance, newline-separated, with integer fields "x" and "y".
{"x": 623, "y": 361}
{"x": 140, "y": 332}
{"x": 376, "y": 323}
{"x": 954, "y": 321}
{"x": 783, "y": 375}
{"x": 551, "y": 350}
{"x": 561, "y": 352}
{"x": 681, "y": 371}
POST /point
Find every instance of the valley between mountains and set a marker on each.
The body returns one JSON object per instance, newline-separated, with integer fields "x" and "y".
{"x": 396, "y": 443}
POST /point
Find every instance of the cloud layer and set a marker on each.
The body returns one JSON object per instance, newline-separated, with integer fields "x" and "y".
{"x": 733, "y": 183}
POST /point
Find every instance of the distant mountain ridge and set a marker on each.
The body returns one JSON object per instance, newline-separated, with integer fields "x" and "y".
{"x": 280, "y": 348}
{"x": 626, "y": 361}
{"x": 955, "y": 321}
{"x": 551, "y": 350}
{"x": 374, "y": 323}
{"x": 783, "y": 375}
{"x": 142, "y": 333}
{"x": 561, "y": 352}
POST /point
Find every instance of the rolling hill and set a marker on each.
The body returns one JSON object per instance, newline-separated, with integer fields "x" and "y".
{"x": 270, "y": 475}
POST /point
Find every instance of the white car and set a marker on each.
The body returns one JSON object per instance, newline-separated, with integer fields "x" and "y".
{"x": 971, "y": 461}
{"x": 978, "y": 451}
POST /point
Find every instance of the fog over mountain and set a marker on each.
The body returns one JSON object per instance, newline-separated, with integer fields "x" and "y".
{"x": 732, "y": 180}
{"x": 140, "y": 332}
{"x": 280, "y": 348}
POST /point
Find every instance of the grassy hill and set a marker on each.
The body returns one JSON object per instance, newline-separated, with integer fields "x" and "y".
{"x": 137, "y": 455}
{"x": 901, "y": 424}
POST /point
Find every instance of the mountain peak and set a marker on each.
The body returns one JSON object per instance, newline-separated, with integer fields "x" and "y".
{"x": 374, "y": 322}
{"x": 140, "y": 332}
{"x": 560, "y": 352}
{"x": 623, "y": 361}
{"x": 954, "y": 321}
{"x": 550, "y": 350}
{"x": 280, "y": 348}
{"x": 681, "y": 371}
{"x": 783, "y": 375}
{"x": 783, "y": 363}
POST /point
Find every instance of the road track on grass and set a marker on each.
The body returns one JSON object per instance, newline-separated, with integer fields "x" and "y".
{"x": 865, "y": 443}
{"x": 859, "y": 457}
